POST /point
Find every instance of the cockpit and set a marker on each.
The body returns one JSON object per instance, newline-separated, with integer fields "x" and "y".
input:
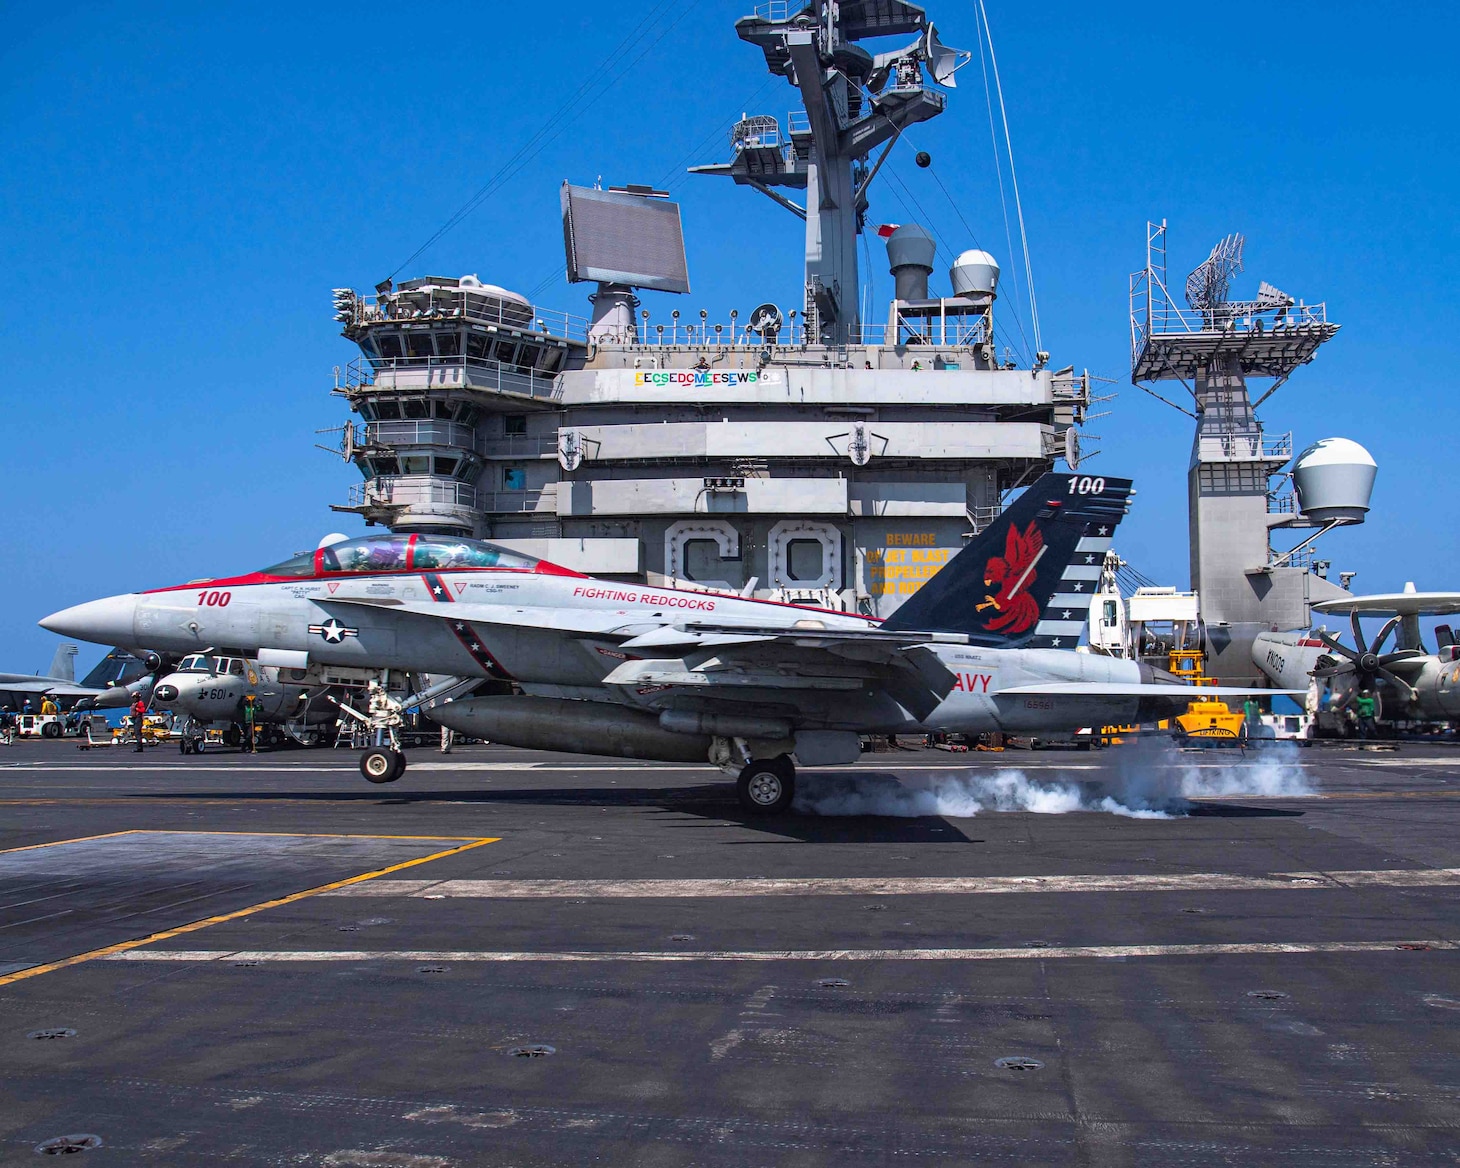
{"x": 202, "y": 663}
{"x": 404, "y": 553}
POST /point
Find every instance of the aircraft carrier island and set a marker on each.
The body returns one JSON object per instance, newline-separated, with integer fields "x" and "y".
{"x": 797, "y": 453}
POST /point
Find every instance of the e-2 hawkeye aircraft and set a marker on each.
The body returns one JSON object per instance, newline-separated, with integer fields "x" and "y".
{"x": 211, "y": 687}
{"x": 1413, "y": 684}
{"x": 602, "y": 667}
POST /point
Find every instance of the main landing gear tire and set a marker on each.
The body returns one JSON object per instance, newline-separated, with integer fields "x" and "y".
{"x": 767, "y": 785}
{"x": 380, "y": 764}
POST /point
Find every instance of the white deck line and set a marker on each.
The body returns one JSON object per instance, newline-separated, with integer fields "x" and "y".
{"x": 1054, "y": 953}
{"x": 899, "y": 886}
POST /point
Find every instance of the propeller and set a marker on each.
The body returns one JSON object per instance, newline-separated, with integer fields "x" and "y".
{"x": 1367, "y": 663}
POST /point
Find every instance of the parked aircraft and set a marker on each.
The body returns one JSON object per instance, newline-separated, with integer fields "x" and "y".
{"x": 114, "y": 673}
{"x": 602, "y": 667}
{"x": 209, "y": 687}
{"x": 1412, "y": 683}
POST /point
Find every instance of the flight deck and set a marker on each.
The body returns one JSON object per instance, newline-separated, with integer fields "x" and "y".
{"x": 531, "y": 959}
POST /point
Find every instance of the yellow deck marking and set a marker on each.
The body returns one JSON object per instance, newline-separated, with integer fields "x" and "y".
{"x": 166, "y": 934}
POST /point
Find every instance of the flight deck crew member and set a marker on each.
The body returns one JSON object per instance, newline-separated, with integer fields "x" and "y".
{"x": 250, "y": 719}
{"x": 1364, "y": 706}
{"x": 139, "y": 715}
{"x": 48, "y": 706}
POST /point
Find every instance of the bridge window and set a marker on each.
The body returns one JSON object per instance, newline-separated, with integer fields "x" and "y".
{"x": 514, "y": 478}
{"x": 514, "y": 425}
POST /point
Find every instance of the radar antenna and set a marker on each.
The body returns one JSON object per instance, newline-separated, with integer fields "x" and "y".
{"x": 1208, "y": 284}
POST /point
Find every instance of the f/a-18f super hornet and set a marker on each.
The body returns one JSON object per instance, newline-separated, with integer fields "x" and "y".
{"x": 601, "y": 667}
{"x": 1411, "y": 683}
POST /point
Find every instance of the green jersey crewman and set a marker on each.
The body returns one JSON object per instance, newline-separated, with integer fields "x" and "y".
{"x": 250, "y": 722}
{"x": 1365, "y": 707}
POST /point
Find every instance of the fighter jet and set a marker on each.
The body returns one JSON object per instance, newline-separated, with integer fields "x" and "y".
{"x": 1412, "y": 683}
{"x": 640, "y": 671}
{"x": 114, "y": 673}
{"x": 207, "y": 687}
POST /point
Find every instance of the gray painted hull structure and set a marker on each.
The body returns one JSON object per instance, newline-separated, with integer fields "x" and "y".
{"x": 801, "y": 457}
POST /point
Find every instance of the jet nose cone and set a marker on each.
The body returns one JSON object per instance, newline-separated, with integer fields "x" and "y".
{"x": 107, "y": 622}
{"x": 164, "y": 694}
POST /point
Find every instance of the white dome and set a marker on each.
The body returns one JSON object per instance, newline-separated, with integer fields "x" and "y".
{"x": 1334, "y": 479}
{"x": 1335, "y": 451}
{"x": 974, "y": 273}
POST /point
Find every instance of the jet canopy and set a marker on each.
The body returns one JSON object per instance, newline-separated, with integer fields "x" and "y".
{"x": 403, "y": 553}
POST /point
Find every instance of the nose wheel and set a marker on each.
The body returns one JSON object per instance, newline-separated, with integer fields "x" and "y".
{"x": 381, "y": 764}
{"x": 767, "y": 785}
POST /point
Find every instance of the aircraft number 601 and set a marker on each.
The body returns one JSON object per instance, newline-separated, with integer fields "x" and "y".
{"x": 1085, "y": 485}
{"x": 215, "y": 599}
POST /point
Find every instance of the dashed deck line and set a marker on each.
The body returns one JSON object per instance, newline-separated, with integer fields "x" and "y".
{"x": 1406, "y": 949}
{"x": 903, "y": 885}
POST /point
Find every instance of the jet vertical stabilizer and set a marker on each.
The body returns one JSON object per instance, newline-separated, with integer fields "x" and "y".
{"x": 1026, "y": 580}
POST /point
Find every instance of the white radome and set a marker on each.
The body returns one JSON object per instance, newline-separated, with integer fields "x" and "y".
{"x": 974, "y": 272}
{"x": 1334, "y": 479}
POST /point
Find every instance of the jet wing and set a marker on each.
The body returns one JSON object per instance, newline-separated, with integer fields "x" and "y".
{"x": 563, "y": 620}
{"x": 42, "y": 685}
{"x": 785, "y": 664}
{"x": 645, "y": 632}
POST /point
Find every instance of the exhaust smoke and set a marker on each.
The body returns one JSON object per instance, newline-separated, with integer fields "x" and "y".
{"x": 1141, "y": 781}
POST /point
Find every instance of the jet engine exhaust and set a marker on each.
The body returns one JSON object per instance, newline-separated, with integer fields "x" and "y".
{"x": 573, "y": 727}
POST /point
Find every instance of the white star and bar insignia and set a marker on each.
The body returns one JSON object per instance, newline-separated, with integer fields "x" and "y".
{"x": 333, "y": 631}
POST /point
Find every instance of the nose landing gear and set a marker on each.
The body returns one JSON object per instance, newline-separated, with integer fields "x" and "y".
{"x": 383, "y": 718}
{"x": 382, "y": 764}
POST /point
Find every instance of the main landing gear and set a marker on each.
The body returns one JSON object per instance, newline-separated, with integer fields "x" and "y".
{"x": 767, "y": 785}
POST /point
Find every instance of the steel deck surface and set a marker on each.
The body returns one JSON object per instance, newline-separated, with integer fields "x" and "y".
{"x": 266, "y": 960}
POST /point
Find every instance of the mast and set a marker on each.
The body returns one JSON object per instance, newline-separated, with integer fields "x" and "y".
{"x": 852, "y": 103}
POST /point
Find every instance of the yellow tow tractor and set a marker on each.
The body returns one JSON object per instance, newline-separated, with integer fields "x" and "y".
{"x": 156, "y": 729}
{"x": 1209, "y": 719}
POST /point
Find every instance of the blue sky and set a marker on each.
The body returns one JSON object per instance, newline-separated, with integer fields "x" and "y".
{"x": 185, "y": 184}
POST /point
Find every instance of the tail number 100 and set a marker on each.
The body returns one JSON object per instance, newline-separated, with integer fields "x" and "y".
{"x": 215, "y": 599}
{"x": 1085, "y": 485}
